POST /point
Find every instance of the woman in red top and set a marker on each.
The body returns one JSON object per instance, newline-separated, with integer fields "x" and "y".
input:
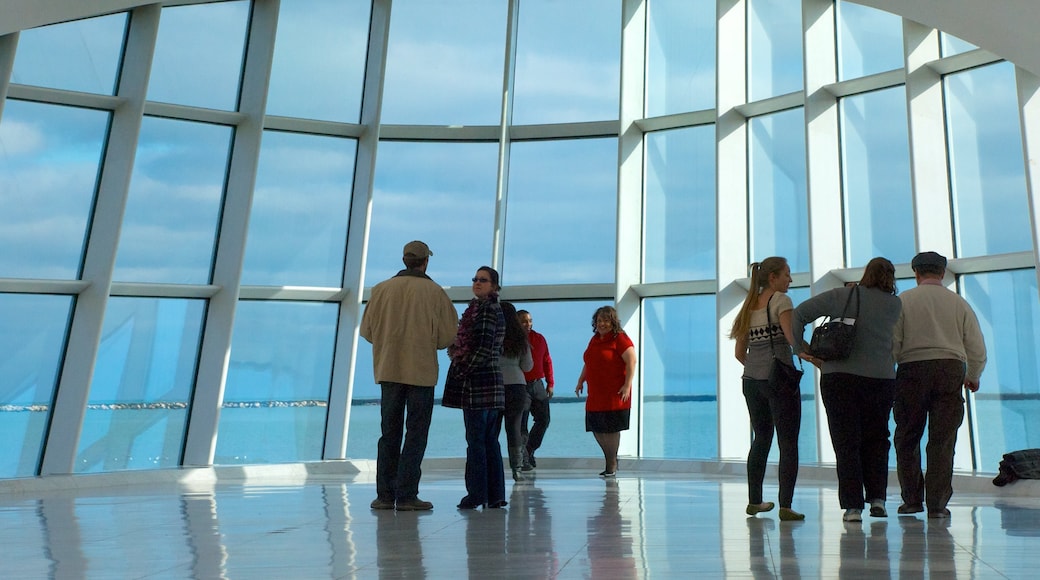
{"x": 610, "y": 365}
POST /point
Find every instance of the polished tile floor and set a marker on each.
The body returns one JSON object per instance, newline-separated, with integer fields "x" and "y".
{"x": 314, "y": 521}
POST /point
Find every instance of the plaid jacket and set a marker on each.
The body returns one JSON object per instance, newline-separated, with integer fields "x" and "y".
{"x": 475, "y": 376}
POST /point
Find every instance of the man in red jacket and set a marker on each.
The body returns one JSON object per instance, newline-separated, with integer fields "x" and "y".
{"x": 539, "y": 387}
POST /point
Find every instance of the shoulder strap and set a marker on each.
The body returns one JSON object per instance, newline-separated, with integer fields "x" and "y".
{"x": 845, "y": 310}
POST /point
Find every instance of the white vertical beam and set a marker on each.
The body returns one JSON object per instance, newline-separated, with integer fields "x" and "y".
{"x": 630, "y": 196}
{"x": 77, "y": 369}
{"x": 8, "y": 45}
{"x": 201, "y": 441}
{"x": 823, "y": 170}
{"x": 732, "y": 220}
{"x": 502, "y": 184}
{"x": 1029, "y": 109}
{"x": 344, "y": 364}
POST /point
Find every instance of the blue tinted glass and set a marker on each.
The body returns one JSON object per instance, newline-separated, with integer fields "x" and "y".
{"x": 987, "y": 167}
{"x": 562, "y": 211}
{"x": 869, "y": 41}
{"x": 319, "y": 66}
{"x": 568, "y": 61}
{"x": 444, "y": 63}
{"x": 142, "y": 384}
{"x": 198, "y": 55}
{"x": 679, "y": 378}
{"x": 301, "y": 204}
{"x": 440, "y": 193}
{"x": 679, "y": 230}
{"x": 774, "y": 29}
{"x": 876, "y": 177}
{"x": 169, "y": 229}
{"x": 31, "y": 345}
{"x": 1007, "y": 401}
{"x": 50, "y": 172}
{"x": 78, "y": 56}
{"x": 680, "y": 59}
{"x": 950, "y": 45}
{"x": 277, "y": 390}
{"x": 779, "y": 212}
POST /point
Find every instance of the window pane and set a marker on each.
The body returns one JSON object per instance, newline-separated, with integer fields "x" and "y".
{"x": 680, "y": 56}
{"x": 869, "y": 41}
{"x": 169, "y": 229}
{"x": 31, "y": 350}
{"x": 876, "y": 177}
{"x": 77, "y": 56}
{"x": 562, "y": 212}
{"x": 1008, "y": 403}
{"x": 950, "y": 45}
{"x": 568, "y": 61}
{"x": 319, "y": 66}
{"x": 774, "y": 29}
{"x": 142, "y": 384}
{"x": 50, "y": 168}
{"x": 444, "y": 62}
{"x": 679, "y": 228}
{"x": 779, "y": 213}
{"x": 198, "y": 55}
{"x": 679, "y": 378}
{"x": 277, "y": 391}
{"x": 986, "y": 162}
{"x": 440, "y": 193}
{"x": 301, "y": 203}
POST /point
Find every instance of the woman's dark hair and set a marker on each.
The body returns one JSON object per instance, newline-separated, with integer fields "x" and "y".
{"x": 516, "y": 339}
{"x": 880, "y": 274}
{"x": 610, "y": 314}
{"x": 493, "y": 274}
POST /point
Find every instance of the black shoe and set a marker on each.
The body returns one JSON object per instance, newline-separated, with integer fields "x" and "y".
{"x": 498, "y": 504}
{"x": 413, "y": 505}
{"x": 530, "y": 461}
{"x": 910, "y": 509}
{"x": 468, "y": 504}
{"x": 382, "y": 504}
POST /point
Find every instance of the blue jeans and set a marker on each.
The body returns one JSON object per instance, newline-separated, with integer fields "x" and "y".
{"x": 398, "y": 469}
{"x": 485, "y": 475}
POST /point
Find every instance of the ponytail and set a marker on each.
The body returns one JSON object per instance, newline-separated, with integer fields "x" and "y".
{"x": 759, "y": 273}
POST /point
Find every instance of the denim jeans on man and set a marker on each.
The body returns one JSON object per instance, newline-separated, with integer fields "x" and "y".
{"x": 398, "y": 468}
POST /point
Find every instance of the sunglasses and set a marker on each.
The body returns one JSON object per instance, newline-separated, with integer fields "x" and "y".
{"x": 482, "y": 280}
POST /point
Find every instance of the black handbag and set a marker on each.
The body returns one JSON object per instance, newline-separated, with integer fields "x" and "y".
{"x": 833, "y": 339}
{"x": 783, "y": 376}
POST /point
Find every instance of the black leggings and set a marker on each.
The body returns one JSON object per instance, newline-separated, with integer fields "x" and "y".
{"x": 769, "y": 409}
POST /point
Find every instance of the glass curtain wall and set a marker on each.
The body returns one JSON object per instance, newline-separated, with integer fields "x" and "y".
{"x": 194, "y": 206}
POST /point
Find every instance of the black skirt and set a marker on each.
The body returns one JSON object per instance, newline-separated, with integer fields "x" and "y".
{"x": 607, "y": 421}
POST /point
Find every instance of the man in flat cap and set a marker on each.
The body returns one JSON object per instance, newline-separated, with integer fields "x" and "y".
{"x": 939, "y": 349}
{"x": 408, "y": 319}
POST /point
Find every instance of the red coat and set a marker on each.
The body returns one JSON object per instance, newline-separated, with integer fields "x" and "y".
{"x": 605, "y": 372}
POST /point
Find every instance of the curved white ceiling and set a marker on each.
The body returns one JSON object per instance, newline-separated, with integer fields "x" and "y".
{"x": 1006, "y": 28}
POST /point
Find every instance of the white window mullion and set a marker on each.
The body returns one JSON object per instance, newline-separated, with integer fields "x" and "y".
{"x": 1029, "y": 108}
{"x": 77, "y": 370}
{"x": 8, "y": 45}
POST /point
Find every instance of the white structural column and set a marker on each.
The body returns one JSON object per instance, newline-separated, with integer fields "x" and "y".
{"x": 343, "y": 366}
{"x": 823, "y": 171}
{"x": 630, "y": 198}
{"x": 732, "y": 220}
{"x": 77, "y": 371}
{"x": 504, "y": 143}
{"x": 8, "y": 44}
{"x": 1029, "y": 106}
{"x": 929, "y": 171}
{"x": 204, "y": 415}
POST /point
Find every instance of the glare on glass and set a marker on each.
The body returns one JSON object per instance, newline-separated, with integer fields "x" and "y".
{"x": 82, "y": 55}
{"x": 440, "y": 193}
{"x": 142, "y": 384}
{"x": 779, "y": 211}
{"x": 568, "y": 61}
{"x": 31, "y": 345}
{"x": 301, "y": 204}
{"x": 679, "y": 230}
{"x": 680, "y": 59}
{"x": 445, "y": 63}
{"x": 318, "y": 70}
{"x": 50, "y": 168}
{"x": 774, "y": 52}
{"x": 199, "y": 54}
{"x": 879, "y": 216}
{"x": 170, "y": 225}
{"x": 561, "y": 212}
{"x": 869, "y": 41}
{"x": 277, "y": 389}
{"x": 987, "y": 165}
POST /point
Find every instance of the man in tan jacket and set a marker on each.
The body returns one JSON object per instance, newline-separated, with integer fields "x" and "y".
{"x": 408, "y": 319}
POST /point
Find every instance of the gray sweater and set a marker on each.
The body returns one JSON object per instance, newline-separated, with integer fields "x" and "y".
{"x": 872, "y": 349}
{"x": 513, "y": 368}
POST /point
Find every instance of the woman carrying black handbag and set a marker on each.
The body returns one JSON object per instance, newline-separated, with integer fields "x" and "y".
{"x": 762, "y": 331}
{"x": 858, "y": 390}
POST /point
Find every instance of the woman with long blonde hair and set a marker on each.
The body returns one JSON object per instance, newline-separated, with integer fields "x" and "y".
{"x": 762, "y": 331}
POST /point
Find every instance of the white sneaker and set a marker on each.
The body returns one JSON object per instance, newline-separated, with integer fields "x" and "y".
{"x": 852, "y": 515}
